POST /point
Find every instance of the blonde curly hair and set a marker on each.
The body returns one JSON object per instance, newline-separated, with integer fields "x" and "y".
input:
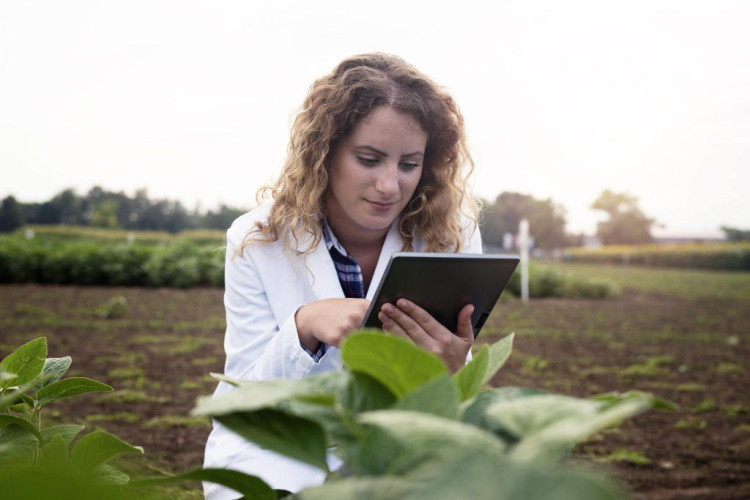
{"x": 334, "y": 105}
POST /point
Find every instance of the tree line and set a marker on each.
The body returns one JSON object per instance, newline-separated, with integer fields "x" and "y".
{"x": 115, "y": 210}
{"x": 625, "y": 223}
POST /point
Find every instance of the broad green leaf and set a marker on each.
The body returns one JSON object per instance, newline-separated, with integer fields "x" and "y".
{"x": 439, "y": 397}
{"x": 67, "y": 431}
{"x": 656, "y": 403}
{"x": 10, "y": 397}
{"x": 36, "y": 483}
{"x": 480, "y": 370}
{"x": 486, "y": 477}
{"x": 257, "y": 395}
{"x": 525, "y": 417}
{"x": 338, "y": 424}
{"x": 476, "y": 475}
{"x": 331, "y": 383}
{"x": 7, "y": 376}
{"x": 26, "y": 362}
{"x": 54, "y": 369}
{"x": 16, "y": 443}
{"x": 106, "y": 474}
{"x": 470, "y": 377}
{"x": 289, "y": 435}
{"x": 245, "y": 484}
{"x": 499, "y": 354}
{"x": 69, "y": 387}
{"x": 96, "y": 448}
{"x": 407, "y": 442}
{"x": 376, "y": 488}
{"x": 224, "y": 378}
{"x": 547, "y": 425}
{"x": 364, "y": 393}
{"x": 54, "y": 454}
{"x": 396, "y": 363}
{"x": 20, "y": 422}
{"x": 474, "y": 411}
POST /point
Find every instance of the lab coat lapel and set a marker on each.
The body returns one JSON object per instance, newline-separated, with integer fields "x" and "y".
{"x": 320, "y": 271}
{"x": 393, "y": 243}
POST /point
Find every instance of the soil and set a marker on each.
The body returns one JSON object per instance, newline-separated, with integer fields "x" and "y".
{"x": 691, "y": 352}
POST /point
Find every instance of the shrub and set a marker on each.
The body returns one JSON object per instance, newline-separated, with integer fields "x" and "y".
{"x": 547, "y": 282}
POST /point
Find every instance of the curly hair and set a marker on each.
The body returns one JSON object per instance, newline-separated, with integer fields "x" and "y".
{"x": 334, "y": 105}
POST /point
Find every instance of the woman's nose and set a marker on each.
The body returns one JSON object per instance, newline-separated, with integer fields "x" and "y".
{"x": 387, "y": 181}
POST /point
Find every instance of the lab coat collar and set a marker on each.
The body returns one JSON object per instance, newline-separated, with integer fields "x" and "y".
{"x": 323, "y": 276}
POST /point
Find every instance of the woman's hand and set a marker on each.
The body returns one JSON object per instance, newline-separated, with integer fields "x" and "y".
{"x": 410, "y": 321}
{"x": 329, "y": 321}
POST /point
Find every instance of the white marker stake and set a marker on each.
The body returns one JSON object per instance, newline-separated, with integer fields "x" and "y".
{"x": 523, "y": 243}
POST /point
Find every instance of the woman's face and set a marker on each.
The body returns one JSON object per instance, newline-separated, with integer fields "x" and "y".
{"x": 373, "y": 173}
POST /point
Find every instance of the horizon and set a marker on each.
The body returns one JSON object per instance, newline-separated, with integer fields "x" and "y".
{"x": 194, "y": 101}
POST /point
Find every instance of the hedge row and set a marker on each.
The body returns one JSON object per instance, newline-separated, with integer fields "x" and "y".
{"x": 178, "y": 264}
{"x": 729, "y": 256}
{"x": 85, "y": 233}
{"x": 546, "y": 282}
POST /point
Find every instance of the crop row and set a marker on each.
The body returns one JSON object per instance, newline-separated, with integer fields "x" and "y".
{"x": 84, "y": 233}
{"x": 731, "y": 256}
{"x": 177, "y": 264}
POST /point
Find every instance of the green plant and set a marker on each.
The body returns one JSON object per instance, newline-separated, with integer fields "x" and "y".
{"x": 404, "y": 427}
{"x": 36, "y": 460}
{"x": 545, "y": 281}
{"x": 115, "y": 308}
{"x": 627, "y": 456}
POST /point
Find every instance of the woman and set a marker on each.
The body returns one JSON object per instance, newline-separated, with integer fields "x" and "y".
{"x": 377, "y": 163}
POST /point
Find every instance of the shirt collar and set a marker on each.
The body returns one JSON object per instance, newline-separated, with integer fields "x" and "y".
{"x": 331, "y": 241}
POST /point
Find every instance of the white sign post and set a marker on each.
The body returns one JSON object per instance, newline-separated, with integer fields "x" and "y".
{"x": 523, "y": 243}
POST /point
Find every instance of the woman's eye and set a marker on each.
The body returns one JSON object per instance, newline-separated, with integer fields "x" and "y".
{"x": 368, "y": 162}
{"x": 409, "y": 166}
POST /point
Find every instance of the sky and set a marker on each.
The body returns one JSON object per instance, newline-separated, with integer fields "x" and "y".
{"x": 193, "y": 100}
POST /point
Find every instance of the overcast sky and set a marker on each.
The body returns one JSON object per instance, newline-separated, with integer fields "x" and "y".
{"x": 193, "y": 100}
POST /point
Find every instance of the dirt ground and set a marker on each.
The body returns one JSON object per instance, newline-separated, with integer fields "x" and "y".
{"x": 692, "y": 352}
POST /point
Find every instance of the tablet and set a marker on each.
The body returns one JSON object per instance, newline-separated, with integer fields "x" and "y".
{"x": 443, "y": 284}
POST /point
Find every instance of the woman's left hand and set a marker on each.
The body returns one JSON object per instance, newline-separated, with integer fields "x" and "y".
{"x": 408, "y": 320}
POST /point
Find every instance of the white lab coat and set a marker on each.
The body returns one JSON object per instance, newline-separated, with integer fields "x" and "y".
{"x": 264, "y": 288}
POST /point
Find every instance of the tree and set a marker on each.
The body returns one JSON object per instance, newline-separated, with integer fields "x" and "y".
{"x": 11, "y": 214}
{"x": 222, "y": 218}
{"x": 546, "y": 219}
{"x": 736, "y": 234}
{"x": 626, "y": 223}
{"x": 105, "y": 214}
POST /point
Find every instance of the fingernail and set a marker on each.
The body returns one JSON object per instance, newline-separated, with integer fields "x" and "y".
{"x": 402, "y": 303}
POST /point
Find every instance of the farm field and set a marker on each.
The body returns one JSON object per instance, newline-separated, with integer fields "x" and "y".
{"x": 680, "y": 334}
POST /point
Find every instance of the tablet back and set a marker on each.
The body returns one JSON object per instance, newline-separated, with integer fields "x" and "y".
{"x": 443, "y": 284}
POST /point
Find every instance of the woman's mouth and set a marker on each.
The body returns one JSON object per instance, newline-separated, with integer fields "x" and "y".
{"x": 380, "y": 206}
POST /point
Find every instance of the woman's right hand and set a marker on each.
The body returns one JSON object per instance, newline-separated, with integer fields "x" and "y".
{"x": 329, "y": 321}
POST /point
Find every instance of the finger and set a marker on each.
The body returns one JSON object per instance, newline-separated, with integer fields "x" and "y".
{"x": 422, "y": 317}
{"x": 408, "y": 325}
{"x": 391, "y": 326}
{"x": 465, "y": 329}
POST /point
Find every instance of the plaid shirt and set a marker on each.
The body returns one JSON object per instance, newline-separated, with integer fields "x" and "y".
{"x": 349, "y": 273}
